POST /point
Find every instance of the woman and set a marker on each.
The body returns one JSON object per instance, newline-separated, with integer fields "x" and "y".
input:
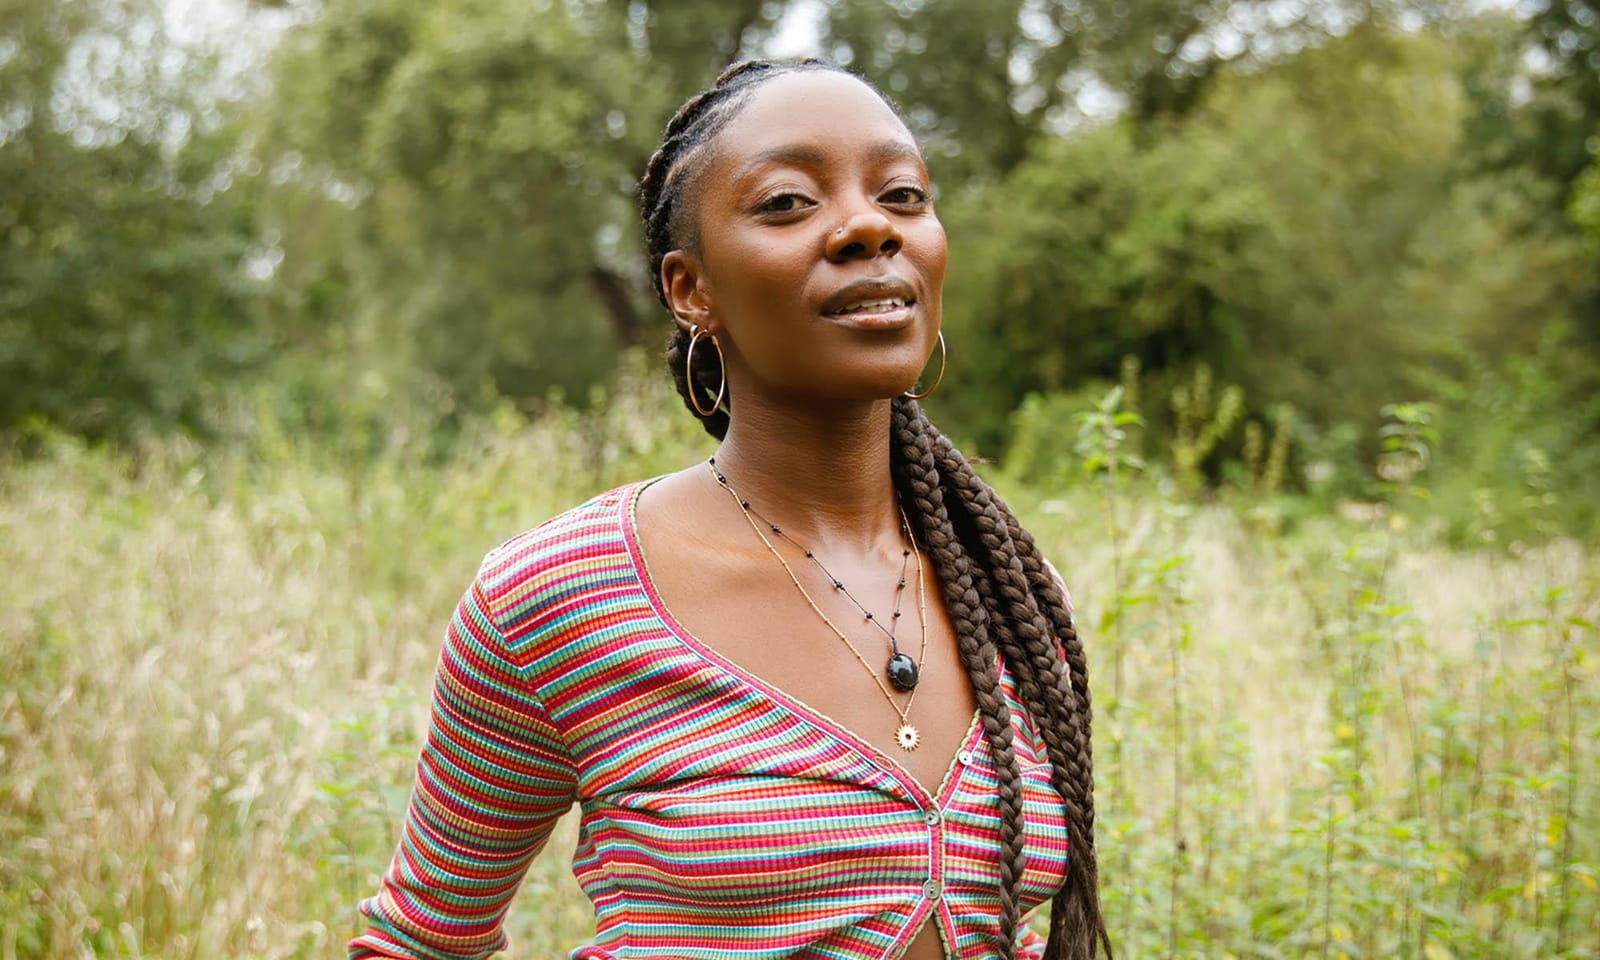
{"x": 819, "y": 696}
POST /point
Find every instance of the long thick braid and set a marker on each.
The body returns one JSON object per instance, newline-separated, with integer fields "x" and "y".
{"x": 1005, "y": 637}
{"x": 1038, "y": 657}
{"x": 917, "y": 477}
{"x": 1038, "y": 611}
{"x": 1029, "y": 651}
{"x": 1044, "y": 585}
{"x": 1084, "y": 916}
{"x": 1026, "y": 637}
{"x": 1013, "y": 857}
{"x": 1023, "y": 624}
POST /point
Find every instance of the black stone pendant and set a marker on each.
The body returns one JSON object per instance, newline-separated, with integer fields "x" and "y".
{"x": 902, "y": 672}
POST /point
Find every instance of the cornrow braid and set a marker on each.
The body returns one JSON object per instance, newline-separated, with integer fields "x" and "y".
{"x": 1002, "y": 598}
{"x": 665, "y": 194}
{"x": 666, "y": 228}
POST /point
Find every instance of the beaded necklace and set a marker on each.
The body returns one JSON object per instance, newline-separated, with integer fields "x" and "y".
{"x": 901, "y": 670}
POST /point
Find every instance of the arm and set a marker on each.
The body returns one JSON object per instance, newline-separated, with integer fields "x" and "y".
{"x": 493, "y": 778}
{"x": 1030, "y": 944}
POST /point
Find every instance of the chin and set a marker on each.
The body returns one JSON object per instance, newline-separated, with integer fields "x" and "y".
{"x": 889, "y": 385}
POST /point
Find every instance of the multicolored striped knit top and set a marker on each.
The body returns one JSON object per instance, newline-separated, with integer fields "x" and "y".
{"x": 721, "y": 818}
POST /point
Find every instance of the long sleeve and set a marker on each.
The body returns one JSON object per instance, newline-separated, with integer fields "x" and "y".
{"x": 1030, "y": 944}
{"x": 493, "y": 777}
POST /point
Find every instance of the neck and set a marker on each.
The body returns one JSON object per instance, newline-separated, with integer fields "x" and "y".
{"x": 824, "y": 478}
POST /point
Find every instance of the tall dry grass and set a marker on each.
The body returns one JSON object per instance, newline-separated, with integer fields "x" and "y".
{"x": 1338, "y": 741}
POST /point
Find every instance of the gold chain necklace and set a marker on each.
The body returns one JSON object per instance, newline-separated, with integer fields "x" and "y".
{"x": 905, "y": 735}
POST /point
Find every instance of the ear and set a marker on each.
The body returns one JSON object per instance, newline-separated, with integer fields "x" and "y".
{"x": 684, "y": 282}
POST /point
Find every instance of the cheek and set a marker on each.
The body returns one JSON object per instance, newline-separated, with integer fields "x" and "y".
{"x": 932, "y": 253}
{"x": 943, "y": 243}
{"x": 759, "y": 274}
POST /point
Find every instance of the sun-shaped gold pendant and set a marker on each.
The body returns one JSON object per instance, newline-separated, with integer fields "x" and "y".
{"x": 908, "y": 737}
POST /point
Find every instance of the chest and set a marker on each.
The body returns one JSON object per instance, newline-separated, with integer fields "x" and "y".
{"x": 761, "y": 626}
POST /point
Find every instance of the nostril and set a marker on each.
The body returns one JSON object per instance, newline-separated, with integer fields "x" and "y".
{"x": 864, "y": 238}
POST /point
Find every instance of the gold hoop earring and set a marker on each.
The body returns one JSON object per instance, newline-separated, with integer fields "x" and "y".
{"x": 695, "y": 333}
{"x": 928, "y": 392}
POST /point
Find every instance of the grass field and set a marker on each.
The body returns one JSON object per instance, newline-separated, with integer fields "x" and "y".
{"x": 1333, "y": 739}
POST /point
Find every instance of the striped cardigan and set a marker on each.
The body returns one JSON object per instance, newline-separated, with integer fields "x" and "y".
{"x": 720, "y": 817}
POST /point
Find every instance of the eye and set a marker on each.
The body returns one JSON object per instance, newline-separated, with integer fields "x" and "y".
{"x": 783, "y": 203}
{"x": 905, "y": 196}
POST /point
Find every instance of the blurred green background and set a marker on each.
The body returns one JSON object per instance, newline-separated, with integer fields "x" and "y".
{"x": 1278, "y": 321}
{"x": 366, "y": 212}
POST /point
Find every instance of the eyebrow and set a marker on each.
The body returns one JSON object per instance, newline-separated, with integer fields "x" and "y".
{"x": 803, "y": 155}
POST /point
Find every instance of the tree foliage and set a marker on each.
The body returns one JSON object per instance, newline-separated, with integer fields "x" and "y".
{"x": 1283, "y": 233}
{"x": 122, "y": 281}
{"x": 492, "y": 147}
{"x": 1334, "y": 206}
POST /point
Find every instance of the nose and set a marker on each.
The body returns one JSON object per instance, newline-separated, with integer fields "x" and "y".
{"x": 866, "y": 234}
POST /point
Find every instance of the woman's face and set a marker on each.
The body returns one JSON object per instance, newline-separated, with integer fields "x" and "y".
{"x": 820, "y": 261}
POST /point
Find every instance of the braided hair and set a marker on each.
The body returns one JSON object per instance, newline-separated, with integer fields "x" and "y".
{"x": 1003, "y": 599}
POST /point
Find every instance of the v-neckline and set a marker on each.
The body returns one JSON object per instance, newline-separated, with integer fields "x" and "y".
{"x": 784, "y": 700}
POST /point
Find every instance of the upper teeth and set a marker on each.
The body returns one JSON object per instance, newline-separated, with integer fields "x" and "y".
{"x": 869, "y": 306}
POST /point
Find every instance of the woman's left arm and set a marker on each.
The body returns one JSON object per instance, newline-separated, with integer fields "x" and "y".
{"x": 493, "y": 778}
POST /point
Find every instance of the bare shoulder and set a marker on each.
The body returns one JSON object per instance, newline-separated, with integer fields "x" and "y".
{"x": 677, "y": 517}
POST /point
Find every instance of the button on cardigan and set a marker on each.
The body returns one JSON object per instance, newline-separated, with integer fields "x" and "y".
{"x": 720, "y": 818}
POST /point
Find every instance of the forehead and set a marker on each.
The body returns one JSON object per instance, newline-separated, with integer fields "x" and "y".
{"x": 822, "y": 108}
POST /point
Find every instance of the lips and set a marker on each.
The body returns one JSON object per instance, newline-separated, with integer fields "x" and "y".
{"x": 877, "y": 296}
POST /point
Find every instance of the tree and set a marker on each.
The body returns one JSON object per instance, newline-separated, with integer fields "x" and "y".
{"x": 1282, "y": 233}
{"x": 1564, "y": 112}
{"x": 487, "y": 152}
{"x": 1585, "y": 206}
{"x": 984, "y": 80}
{"x": 123, "y": 281}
